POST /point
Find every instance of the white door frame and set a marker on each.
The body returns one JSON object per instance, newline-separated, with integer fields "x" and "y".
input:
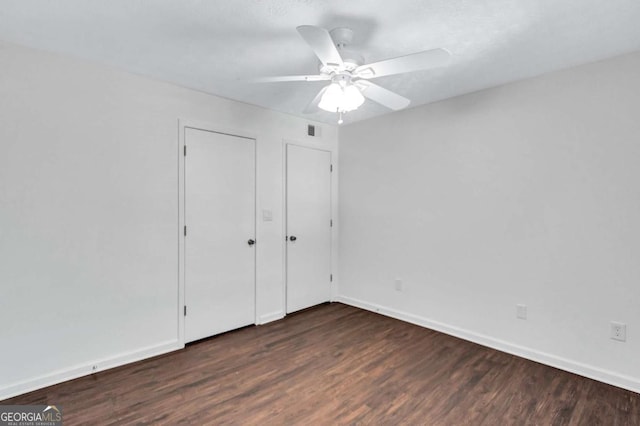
{"x": 285, "y": 143}
{"x": 184, "y": 124}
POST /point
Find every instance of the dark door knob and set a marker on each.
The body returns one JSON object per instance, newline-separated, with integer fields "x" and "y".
{"x": 292, "y": 238}
{"x": 251, "y": 242}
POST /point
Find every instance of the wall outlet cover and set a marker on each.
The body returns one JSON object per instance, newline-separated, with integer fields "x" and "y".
{"x": 619, "y": 331}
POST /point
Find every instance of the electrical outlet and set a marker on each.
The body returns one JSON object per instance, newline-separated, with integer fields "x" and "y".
{"x": 619, "y": 331}
{"x": 398, "y": 285}
{"x": 521, "y": 311}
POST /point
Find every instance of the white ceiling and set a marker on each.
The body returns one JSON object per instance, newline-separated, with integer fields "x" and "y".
{"x": 210, "y": 45}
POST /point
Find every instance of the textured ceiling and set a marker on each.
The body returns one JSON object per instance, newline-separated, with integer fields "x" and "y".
{"x": 210, "y": 45}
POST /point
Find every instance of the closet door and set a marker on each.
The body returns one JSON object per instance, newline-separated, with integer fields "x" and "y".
{"x": 219, "y": 233}
{"x": 308, "y": 227}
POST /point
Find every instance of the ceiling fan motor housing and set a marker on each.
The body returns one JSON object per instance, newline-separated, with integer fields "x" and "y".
{"x": 342, "y": 37}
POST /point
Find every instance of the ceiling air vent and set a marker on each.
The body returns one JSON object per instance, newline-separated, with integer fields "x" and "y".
{"x": 311, "y": 130}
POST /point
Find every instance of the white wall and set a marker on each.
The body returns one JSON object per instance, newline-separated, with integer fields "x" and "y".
{"x": 527, "y": 193}
{"x": 89, "y": 212}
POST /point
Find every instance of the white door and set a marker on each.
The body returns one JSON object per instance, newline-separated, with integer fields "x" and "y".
{"x": 220, "y": 233}
{"x": 308, "y": 227}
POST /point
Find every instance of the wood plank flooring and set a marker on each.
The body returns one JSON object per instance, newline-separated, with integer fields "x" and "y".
{"x": 335, "y": 364}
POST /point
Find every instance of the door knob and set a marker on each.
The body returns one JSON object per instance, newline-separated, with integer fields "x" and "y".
{"x": 292, "y": 238}
{"x": 251, "y": 242}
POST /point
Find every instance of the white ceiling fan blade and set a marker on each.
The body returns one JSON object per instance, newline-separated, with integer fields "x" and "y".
{"x": 414, "y": 62}
{"x": 322, "y": 44}
{"x": 382, "y": 96}
{"x": 313, "y": 105}
{"x": 285, "y": 78}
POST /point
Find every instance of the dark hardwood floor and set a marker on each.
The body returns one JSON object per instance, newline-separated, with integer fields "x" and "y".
{"x": 334, "y": 364}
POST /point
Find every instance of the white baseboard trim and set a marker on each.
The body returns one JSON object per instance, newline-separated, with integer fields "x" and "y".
{"x": 270, "y": 317}
{"x": 589, "y": 371}
{"x": 85, "y": 369}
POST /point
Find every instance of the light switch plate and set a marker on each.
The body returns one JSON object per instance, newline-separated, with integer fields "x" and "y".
{"x": 267, "y": 215}
{"x": 521, "y": 311}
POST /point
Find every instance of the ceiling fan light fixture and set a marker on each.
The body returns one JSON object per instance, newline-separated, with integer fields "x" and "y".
{"x": 331, "y": 98}
{"x": 352, "y": 99}
{"x": 341, "y": 99}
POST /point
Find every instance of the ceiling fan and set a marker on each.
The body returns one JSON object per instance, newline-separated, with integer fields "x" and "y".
{"x": 350, "y": 76}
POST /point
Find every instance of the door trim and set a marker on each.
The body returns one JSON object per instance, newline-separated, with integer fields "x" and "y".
{"x": 183, "y": 125}
{"x": 285, "y": 144}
